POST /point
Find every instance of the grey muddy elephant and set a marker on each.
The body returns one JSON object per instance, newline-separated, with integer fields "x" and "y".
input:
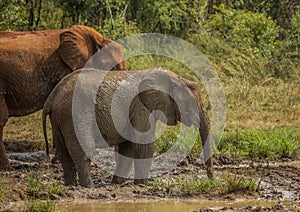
{"x": 32, "y": 63}
{"x": 125, "y": 107}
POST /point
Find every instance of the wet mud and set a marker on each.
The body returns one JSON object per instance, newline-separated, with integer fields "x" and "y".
{"x": 278, "y": 186}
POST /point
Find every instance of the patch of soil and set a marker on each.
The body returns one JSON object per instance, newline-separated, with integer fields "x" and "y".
{"x": 20, "y": 146}
{"x": 278, "y": 207}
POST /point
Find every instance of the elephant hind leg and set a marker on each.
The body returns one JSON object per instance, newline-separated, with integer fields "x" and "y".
{"x": 124, "y": 161}
{"x": 4, "y": 163}
{"x": 64, "y": 157}
{"x": 83, "y": 169}
{"x": 81, "y": 162}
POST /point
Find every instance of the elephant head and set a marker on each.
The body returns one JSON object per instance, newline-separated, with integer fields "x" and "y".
{"x": 168, "y": 93}
{"x": 180, "y": 101}
{"x": 80, "y": 43}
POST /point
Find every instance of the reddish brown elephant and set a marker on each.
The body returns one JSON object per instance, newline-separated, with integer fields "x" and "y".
{"x": 32, "y": 63}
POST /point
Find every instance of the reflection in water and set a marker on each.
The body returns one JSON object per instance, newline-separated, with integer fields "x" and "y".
{"x": 156, "y": 206}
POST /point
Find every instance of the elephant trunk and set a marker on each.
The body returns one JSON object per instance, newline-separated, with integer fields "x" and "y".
{"x": 206, "y": 138}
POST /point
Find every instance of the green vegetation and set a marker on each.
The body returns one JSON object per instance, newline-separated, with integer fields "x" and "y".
{"x": 2, "y": 190}
{"x": 261, "y": 144}
{"x": 39, "y": 206}
{"x": 253, "y": 46}
{"x": 193, "y": 185}
{"x": 237, "y": 183}
{"x": 35, "y": 184}
{"x": 37, "y": 187}
{"x": 57, "y": 188}
{"x": 269, "y": 144}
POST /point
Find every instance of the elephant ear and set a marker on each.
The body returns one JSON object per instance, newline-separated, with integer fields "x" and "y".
{"x": 195, "y": 89}
{"x": 73, "y": 49}
{"x": 148, "y": 93}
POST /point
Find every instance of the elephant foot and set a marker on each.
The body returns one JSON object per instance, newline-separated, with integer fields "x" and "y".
{"x": 140, "y": 181}
{"x": 55, "y": 159}
{"x": 210, "y": 173}
{"x": 70, "y": 182}
{"x": 4, "y": 168}
{"x": 88, "y": 185}
{"x": 117, "y": 180}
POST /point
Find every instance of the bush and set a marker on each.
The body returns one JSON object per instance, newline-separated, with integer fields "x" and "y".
{"x": 247, "y": 31}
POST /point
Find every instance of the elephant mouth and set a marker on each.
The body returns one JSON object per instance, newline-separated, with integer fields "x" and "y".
{"x": 171, "y": 121}
{"x": 190, "y": 120}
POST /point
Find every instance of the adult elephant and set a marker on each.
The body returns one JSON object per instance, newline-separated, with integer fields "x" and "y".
{"x": 120, "y": 106}
{"x": 32, "y": 63}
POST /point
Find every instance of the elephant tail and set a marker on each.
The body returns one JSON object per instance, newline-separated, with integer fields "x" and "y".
{"x": 45, "y": 113}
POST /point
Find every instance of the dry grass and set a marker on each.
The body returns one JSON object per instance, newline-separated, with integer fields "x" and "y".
{"x": 267, "y": 105}
{"x": 27, "y": 129}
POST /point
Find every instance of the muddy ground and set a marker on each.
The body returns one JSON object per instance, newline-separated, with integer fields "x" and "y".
{"x": 277, "y": 181}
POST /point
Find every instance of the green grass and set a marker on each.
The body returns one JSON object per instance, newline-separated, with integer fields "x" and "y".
{"x": 267, "y": 144}
{"x": 2, "y": 190}
{"x": 35, "y": 184}
{"x": 57, "y": 188}
{"x": 39, "y": 206}
{"x": 193, "y": 185}
{"x": 234, "y": 183}
{"x": 258, "y": 101}
{"x": 39, "y": 188}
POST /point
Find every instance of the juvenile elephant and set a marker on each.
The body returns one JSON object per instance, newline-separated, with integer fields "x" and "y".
{"x": 32, "y": 63}
{"x": 123, "y": 106}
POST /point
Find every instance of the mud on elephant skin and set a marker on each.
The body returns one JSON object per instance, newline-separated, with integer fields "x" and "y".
{"x": 124, "y": 106}
{"x": 32, "y": 63}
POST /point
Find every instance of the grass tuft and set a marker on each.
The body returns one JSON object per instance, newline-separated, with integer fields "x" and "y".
{"x": 56, "y": 188}
{"x": 35, "y": 185}
{"x": 39, "y": 206}
{"x": 268, "y": 144}
{"x": 194, "y": 185}
{"x": 2, "y": 190}
{"x": 234, "y": 183}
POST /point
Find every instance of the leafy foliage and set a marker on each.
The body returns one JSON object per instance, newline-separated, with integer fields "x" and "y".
{"x": 253, "y": 45}
{"x": 246, "y": 31}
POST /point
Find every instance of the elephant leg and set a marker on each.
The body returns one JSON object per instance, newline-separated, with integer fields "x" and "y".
{"x": 4, "y": 163}
{"x": 208, "y": 157}
{"x": 143, "y": 154}
{"x": 124, "y": 160}
{"x": 64, "y": 157}
{"x": 81, "y": 161}
{"x": 82, "y": 165}
{"x": 206, "y": 138}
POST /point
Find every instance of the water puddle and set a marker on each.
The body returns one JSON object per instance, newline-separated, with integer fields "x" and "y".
{"x": 163, "y": 205}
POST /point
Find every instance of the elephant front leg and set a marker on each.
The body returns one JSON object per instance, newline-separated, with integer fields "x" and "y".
{"x": 143, "y": 154}
{"x": 124, "y": 160}
{"x": 206, "y": 138}
{"x": 4, "y": 163}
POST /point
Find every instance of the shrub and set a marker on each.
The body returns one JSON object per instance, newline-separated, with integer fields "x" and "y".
{"x": 245, "y": 30}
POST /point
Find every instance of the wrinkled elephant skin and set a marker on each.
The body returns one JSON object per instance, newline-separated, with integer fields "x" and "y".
{"x": 152, "y": 94}
{"x": 32, "y": 63}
